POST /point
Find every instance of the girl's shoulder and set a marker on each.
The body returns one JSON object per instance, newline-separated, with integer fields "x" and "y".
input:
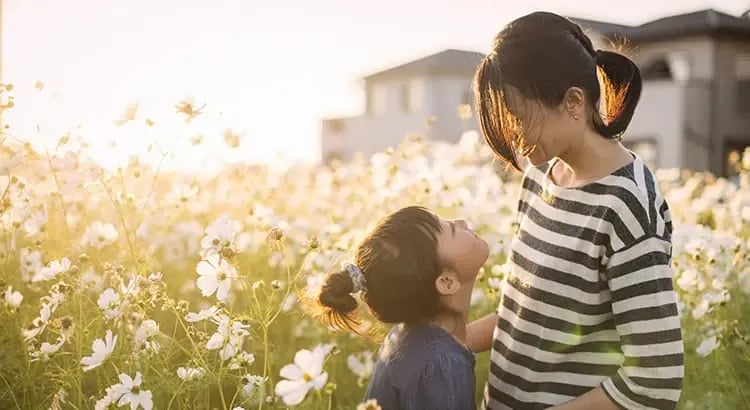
{"x": 420, "y": 347}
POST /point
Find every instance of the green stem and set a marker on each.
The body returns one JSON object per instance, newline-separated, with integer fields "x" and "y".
{"x": 10, "y": 391}
{"x": 174, "y": 395}
{"x": 133, "y": 253}
{"x": 218, "y": 383}
{"x": 265, "y": 363}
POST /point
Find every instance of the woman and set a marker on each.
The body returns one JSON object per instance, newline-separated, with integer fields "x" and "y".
{"x": 588, "y": 317}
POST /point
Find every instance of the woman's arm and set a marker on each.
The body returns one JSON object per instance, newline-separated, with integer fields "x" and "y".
{"x": 594, "y": 399}
{"x": 479, "y": 333}
{"x": 644, "y": 307}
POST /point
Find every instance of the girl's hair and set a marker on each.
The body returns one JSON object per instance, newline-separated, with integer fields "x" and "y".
{"x": 542, "y": 55}
{"x": 399, "y": 261}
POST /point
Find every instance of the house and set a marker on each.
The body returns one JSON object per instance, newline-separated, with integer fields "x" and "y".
{"x": 694, "y": 110}
{"x": 430, "y": 96}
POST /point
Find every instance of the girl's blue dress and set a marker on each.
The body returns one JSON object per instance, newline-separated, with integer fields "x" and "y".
{"x": 423, "y": 367}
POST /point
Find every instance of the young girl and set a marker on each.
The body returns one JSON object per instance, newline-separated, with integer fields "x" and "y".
{"x": 417, "y": 271}
{"x": 588, "y": 317}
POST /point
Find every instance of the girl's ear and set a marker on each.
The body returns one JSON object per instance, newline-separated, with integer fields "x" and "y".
{"x": 447, "y": 283}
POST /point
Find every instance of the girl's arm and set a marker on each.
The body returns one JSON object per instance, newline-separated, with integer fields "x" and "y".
{"x": 479, "y": 333}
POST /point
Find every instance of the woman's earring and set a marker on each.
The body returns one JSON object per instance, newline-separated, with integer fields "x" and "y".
{"x": 575, "y": 117}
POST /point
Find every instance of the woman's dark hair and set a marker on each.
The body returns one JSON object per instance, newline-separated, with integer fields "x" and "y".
{"x": 400, "y": 263}
{"x": 542, "y": 55}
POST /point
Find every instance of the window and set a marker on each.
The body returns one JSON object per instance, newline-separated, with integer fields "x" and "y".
{"x": 673, "y": 66}
{"x": 742, "y": 75}
{"x": 679, "y": 66}
{"x": 336, "y": 125}
{"x": 733, "y": 152}
{"x": 377, "y": 97}
{"x": 333, "y": 156}
{"x": 412, "y": 95}
{"x": 646, "y": 148}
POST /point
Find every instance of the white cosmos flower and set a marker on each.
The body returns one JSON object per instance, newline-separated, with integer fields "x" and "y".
{"x": 204, "y": 314}
{"x": 240, "y": 360}
{"x": 361, "y": 364}
{"x": 35, "y": 223}
{"x": 222, "y": 233}
{"x": 40, "y": 323}
{"x": 190, "y": 373}
{"x": 99, "y": 234}
{"x": 50, "y": 271}
{"x": 31, "y": 263}
{"x": 304, "y": 374}
{"x": 215, "y": 274}
{"x": 11, "y": 159}
{"x": 707, "y": 346}
{"x": 145, "y": 336}
{"x": 228, "y": 338}
{"x": 47, "y": 349}
{"x": 13, "y": 298}
{"x": 371, "y": 404}
{"x": 250, "y": 384}
{"x": 109, "y": 303}
{"x": 688, "y": 280}
{"x": 102, "y": 350}
{"x": 133, "y": 394}
{"x": 289, "y": 302}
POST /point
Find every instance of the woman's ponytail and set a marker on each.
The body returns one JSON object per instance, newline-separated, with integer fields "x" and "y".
{"x": 621, "y": 93}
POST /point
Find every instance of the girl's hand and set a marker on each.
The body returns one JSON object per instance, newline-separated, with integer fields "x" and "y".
{"x": 479, "y": 333}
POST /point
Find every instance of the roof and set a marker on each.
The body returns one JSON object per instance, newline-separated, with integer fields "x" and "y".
{"x": 709, "y": 22}
{"x": 444, "y": 62}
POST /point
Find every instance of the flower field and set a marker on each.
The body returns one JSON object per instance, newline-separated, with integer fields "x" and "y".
{"x": 137, "y": 288}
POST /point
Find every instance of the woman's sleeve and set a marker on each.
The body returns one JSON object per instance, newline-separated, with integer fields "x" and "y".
{"x": 644, "y": 305}
{"x": 446, "y": 383}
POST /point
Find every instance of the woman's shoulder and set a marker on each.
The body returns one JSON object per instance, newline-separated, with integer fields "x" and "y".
{"x": 636, "y": 205}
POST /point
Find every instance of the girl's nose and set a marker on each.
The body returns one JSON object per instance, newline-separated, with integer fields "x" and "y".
{"x": 461, "y": 223}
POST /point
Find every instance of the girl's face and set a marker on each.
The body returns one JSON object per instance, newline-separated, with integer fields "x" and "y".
{"x": 461, "y": 250}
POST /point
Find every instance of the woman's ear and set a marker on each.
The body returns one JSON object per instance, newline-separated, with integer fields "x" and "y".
{"x": 447, "y": 283}
{"x": 574, "y": 102}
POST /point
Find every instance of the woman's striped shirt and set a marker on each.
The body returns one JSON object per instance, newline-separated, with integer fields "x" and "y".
{"x": 589, "y": 299}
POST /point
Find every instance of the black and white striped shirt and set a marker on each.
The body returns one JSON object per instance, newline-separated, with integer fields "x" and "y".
{"x": 589, "y": 299}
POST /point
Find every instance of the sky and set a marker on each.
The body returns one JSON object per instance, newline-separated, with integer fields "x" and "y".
{"x": 268, "y": 70}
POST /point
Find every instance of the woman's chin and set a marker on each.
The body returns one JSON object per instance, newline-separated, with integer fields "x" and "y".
{"x": 536, "y": 160}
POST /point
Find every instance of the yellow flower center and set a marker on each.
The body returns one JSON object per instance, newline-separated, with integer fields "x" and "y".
{"x": 306, "y": 377}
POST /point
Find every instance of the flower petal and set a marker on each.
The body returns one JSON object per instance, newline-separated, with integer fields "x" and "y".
{"x": 204, "y": 268}
{"x": 222, "y": 290}
{"x": 292, "y": 393}
{"x": 320, "y": 381}
{"x": 207, "y": 285}
{"x": 305, "y": 359}
{"x": 292, "y": 372}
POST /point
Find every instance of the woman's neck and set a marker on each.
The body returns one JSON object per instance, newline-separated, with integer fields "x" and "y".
{"x": 592, "y": 157}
